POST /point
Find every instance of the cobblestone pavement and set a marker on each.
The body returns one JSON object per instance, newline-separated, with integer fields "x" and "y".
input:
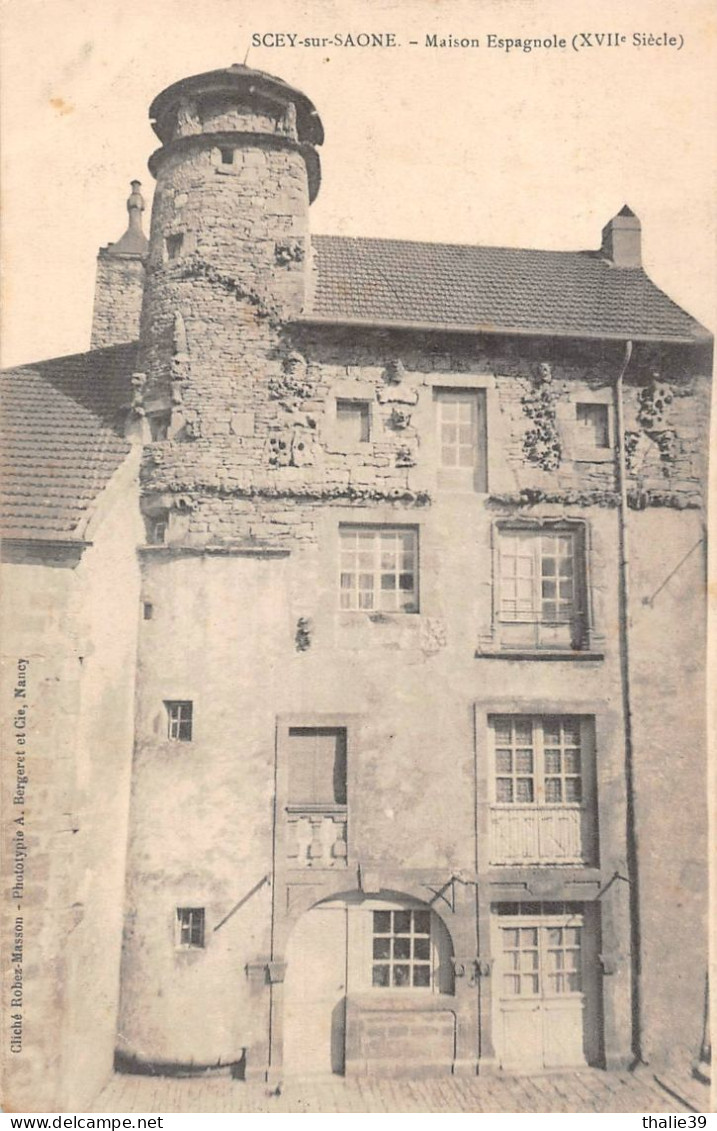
{"x": 586, "y": 1091}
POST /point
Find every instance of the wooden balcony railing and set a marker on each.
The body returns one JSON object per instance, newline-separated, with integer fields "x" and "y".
{"x": 316, "y": 836}
{"x": 540, "y": 834}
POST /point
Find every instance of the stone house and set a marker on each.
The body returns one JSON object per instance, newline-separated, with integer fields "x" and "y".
{"x": 400, "y": 549}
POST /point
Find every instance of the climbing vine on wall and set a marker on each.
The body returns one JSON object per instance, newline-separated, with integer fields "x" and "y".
{"x": 196, "y": 268}
{"x": 637, "y": 499}
{"x": 654, "y": 401}
{"x": 541, "y": 443}
{"x": 296, "y": 492}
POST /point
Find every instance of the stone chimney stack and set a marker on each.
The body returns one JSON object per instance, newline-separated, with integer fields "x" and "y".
{"x": 621, "y": 239}
{"x": 119, "y": 285}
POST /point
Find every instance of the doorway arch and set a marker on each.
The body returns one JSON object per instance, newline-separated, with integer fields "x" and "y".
{"x": 353, "y": 961}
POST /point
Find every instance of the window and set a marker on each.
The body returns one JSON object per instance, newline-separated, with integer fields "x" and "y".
{"x": 227, "y": 156}
{"x": 537, "y": 760}
{"x": 157, "y": 526}
{"x": 541, "y": 950}
{"x": 190, "y": 927}
{"x": 593, "y": 425}
{"x": 158, "y": 425}
{"x": 542, "y": 790}
{"x": 401, "y": 949}
{"x": 353, "y": 421}
{"x": 174, "y": 245}
{"x": 179, "y": 720}
{"x": 542, "y": 587}
{"x": 379, "y": 569}
{"x": 147, "y": 610}
{"x": 461, "y": 424}
{"x": 317, "y": 766}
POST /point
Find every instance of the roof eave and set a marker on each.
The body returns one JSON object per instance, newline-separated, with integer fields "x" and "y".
{"x": 700, "y": 337}
{"x": 59, "y": 542}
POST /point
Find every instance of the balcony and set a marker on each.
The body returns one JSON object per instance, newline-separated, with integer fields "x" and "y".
{"x": 316, "y": 836}
{"x": 541, "y": 834}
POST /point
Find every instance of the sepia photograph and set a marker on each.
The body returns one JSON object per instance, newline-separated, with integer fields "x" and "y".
{"x": 356, "y": 382}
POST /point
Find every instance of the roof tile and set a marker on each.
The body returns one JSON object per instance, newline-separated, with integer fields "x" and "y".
{"x": 62, "y": 439}
{"x": 493, "y": 289}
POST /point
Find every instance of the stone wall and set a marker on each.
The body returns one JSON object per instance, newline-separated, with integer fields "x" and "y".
{"x": 119, "y": 287}
{"x": 261, "y": 453}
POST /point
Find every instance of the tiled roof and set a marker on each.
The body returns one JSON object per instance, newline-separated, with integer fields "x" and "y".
{"x": 491, "y": 289}
{"x": 61, "y": 440}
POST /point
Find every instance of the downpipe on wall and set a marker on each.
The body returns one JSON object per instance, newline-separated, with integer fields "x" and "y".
{"x": 624, "y": 641}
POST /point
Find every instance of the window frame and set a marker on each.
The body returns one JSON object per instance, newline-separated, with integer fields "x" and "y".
{"x": 472, "y": 477}
{"x": 539, "y": 773}
{"x": 580, "y": 425}
{"x": 390, "y": 962}
{"x": 534, "y": 631}
{"x": 377, "y": 573}
{"x": 362, "y": 404}
{"x": 188, "y": 924}
{"x": 179, "y": 721}
{"x": 157, "y": 528}
{"x": 572, "y": 916}
{"x": 339, "y": 771}
{"x": 174, "y": 246}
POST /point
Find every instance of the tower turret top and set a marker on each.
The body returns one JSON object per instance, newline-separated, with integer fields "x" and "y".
{"x": 235, "y": 80}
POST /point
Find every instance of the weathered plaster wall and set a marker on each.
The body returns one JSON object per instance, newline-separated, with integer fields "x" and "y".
{"x": 412, "y": 786}
{"x": 108, "y": 584}
{"x": 668, "y": 666}
{"x": 202, "y": 810}
{"x": 80, "y": 644}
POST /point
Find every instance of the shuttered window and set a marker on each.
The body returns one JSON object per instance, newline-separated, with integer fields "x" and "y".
{"x": 317, "y": 766}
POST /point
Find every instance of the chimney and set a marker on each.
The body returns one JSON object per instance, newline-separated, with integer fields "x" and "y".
{"x": 621, "y": 239}
{"x": 119, "y": 284}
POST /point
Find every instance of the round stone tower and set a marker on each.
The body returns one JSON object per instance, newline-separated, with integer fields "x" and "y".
{"x": 227, "y": 264}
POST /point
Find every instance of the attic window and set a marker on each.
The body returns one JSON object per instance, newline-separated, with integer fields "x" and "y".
{"x": 174, "y": 245}
{"x": 593, "y": 425}
{"x": 227, "y": 156}
{"x": 353, "y": 421}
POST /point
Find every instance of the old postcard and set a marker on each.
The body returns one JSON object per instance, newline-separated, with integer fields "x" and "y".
{"x": 356, "y": 410}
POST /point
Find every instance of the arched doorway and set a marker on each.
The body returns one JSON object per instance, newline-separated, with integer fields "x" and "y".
{"x": 363, "y": 973}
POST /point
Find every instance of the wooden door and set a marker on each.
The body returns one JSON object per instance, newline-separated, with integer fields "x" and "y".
{"x": 544, "y": 989}
{"x": 315, "y": 993}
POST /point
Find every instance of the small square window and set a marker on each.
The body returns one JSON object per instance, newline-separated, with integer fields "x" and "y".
{"x": 190, "y": 927}
{"x": 147, "y": 610}
{"x": 179, "y": 720}
{"x": 402, "y": 949}
{"x": 353, "y": 421}
{"x": 158, "y": 425}
{"x": 157, "y": 526}
{"x": 174, "y": 245}
{"x": 227, "y": 156}
{"x": 379, "y": 569}
{"x": 593, "y": 425}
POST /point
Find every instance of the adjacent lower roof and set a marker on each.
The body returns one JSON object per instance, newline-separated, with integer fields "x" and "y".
{"x": 61, "y": 440}
{"x": 499, "y": 290}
